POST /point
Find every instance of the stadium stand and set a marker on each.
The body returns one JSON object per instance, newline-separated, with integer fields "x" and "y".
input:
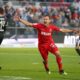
{"x": 64, "y": 13}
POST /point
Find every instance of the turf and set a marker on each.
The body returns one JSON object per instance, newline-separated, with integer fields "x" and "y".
{"x": 26, "y": 64}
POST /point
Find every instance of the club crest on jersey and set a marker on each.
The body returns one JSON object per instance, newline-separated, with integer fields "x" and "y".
{"x": 46, "y": 33}
{"x": 50, "y": 30}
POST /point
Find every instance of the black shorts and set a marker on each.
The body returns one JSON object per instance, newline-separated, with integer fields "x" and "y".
{"x": 1, "y": 37}
{"x": 77, "y": 44}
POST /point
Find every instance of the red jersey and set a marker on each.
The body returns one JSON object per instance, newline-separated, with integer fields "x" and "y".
{"x": 45, "y": 33}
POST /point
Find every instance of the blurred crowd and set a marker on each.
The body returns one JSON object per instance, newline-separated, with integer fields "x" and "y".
{"x": 62, "y": 16}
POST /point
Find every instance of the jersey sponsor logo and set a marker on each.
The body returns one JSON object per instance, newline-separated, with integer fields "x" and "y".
{"x": 52, "y": 45}
{"x": 45, "y": 33}
{"x": 50, "y": 30}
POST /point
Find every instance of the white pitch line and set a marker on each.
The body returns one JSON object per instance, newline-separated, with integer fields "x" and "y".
{"x": 14, "y": 78}
{"x": 69, "y": 56}
{"x": 61, "y": 55}
{"x": 35, "y": 63}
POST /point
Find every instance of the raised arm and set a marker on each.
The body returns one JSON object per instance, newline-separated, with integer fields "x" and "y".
{"x": 17, "y": 18}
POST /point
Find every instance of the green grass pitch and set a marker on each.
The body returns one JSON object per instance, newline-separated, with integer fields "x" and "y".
{"x": 26, "y": 64}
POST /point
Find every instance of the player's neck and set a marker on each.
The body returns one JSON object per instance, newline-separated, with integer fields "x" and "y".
{"x": 1, "y": 14}
{"x": 47, "y": 25}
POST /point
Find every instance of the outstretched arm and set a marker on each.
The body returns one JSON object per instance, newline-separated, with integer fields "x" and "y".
{"x": 17, "y": 18}
{"x": 66, "y": 30}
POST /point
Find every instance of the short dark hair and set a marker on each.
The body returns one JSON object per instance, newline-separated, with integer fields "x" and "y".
{"x": 1, "y": 10}
{"x": 44, "y": 15}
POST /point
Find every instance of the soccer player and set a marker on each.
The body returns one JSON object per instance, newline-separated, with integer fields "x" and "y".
{"x": 45, "y": 41}
{"x": 2, "y": 24}
{"x": 77, "y": 47}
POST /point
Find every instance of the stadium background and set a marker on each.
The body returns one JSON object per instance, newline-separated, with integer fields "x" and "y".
{"x": 26, "y": 63}
{"x": 64, "y": 13}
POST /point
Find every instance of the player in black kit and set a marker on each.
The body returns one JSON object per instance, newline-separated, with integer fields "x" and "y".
{"x": 2, "y": 24}
{"x": 78, "y": 45}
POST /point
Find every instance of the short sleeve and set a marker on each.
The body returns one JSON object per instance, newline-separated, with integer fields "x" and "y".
{"x": 36, "y": 25}
{"x": 55, "y": 28}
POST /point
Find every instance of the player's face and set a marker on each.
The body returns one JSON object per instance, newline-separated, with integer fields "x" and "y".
{"x": 1, "y": 11}
{"x": 46, "y": 20}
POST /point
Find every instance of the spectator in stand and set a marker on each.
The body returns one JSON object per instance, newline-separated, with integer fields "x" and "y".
{"x": 65, "y": 23}
{"x": 9, "y": 11}
{"x": 57, "y": 20}
{"x": 75, "y": 18}
{"x": 22, "y": 14}
{"x": 67, "y": 13}
{"x": 1, "y": 3}
{"x": 34, "y": 11}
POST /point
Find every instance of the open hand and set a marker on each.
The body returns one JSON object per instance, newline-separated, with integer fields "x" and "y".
{"x": 16, "y": 18}
{"x": 76, "y": 31}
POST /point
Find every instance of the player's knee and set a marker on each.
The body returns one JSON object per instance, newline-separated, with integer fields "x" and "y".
{"x": 57, "y": 54}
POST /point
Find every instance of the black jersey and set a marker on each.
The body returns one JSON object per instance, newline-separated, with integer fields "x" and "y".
{"x": 2, "y": 27}
{"x": 78, "y": 46}
{"x": 2, "y": 24}
{"x": 78, "y": 41}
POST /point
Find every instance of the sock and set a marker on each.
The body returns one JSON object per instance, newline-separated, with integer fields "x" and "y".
{"x": 46, "y": 66}
{"x": 78, "y": 51}
{"x": 59, "y": 62}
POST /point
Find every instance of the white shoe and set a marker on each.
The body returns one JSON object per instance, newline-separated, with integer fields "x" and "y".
{"x": 49, "y": 72}
{"x": 63, "y": 72}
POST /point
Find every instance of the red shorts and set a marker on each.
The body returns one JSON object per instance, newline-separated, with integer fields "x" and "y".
{"x": 45, "y": 49}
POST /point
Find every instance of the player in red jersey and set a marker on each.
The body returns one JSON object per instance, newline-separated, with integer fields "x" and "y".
{"x": 46, "y": 43}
